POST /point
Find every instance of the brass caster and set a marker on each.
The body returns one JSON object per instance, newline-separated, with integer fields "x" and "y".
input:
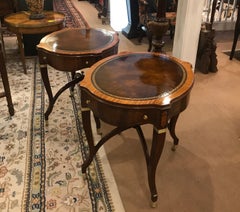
{"x": 174, "y": 147}
{"x": 154, "y": 204}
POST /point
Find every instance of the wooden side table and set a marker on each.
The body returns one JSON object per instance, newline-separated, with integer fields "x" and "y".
{"x": 20, "y": 24}
{"x": 132, "y": 89}
{"x": 70, "y": 50}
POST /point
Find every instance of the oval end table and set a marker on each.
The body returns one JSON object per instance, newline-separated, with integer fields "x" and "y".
{"x": 70, "y": 50}
{"x": 132, "y": 89}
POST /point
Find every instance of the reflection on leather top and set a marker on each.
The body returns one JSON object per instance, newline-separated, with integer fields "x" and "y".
{"x": 139, "y": 76}
{"x": 79, "y": 40}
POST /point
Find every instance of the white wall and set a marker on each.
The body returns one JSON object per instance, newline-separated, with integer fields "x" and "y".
{"x": 118, "y": 14}
{"x": 188, "y": 25}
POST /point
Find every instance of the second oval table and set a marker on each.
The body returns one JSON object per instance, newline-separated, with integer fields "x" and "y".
{"x": 72, "y": 49}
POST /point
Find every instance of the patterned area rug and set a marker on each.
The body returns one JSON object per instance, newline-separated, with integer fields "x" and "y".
{"x": 40, "y": 162}
{"x": 73, "y": 17}
{"x": 40, "y": 167}
{"x": 14, "y": 137}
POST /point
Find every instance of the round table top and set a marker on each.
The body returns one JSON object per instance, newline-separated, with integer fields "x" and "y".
{"x": 79, "y": 41}
{"x": 22, "y": 20}
{"x": 130, "y": 77}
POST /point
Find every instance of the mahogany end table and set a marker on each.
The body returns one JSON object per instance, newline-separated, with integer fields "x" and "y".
{"x": 132, "y": 89}
{"x": 70, "y": 50}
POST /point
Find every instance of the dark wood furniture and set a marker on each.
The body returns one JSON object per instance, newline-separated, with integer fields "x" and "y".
{"x": 236, "y": 32}
{"x": 155, "y": 21}
{"x": 206, "y": 60}
{"x": 20, "y": 24}
{"x": 132, "y": 89}
{"x": 104, "y": 12}
{"x": 156, "y": 30}
{"x": 132, "y": 29}
{"x": 6, "y": 93}
{"x": 73, "y": 49}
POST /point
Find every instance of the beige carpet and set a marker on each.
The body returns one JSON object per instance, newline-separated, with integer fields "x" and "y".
{"x": 203, "y": 175}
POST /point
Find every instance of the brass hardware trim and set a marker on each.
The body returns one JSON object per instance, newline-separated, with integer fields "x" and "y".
{"x": 160, "y": 131}
{"x": 85, "y": 109}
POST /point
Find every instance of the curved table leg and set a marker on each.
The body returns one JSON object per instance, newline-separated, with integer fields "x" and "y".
{"x": 152, "y": 159}
{"x": 45, "y": 79}
{"x": 21, "y": 49}
{"x": 171, "y": 127}
{"x": 73, "y": 75}
{"x": 7, "y": 93}
{"x": 61, "y": 90}
{"x": 4, "y": 76}
{"x": 155, "y": 154}
{"x": 143, "y": 142}
{"x": 52, "y": 99}
{"x": 88, "y": 131}
{"x": 158, "y": 140}
{"x": 236, "y": 34}
{"x": 98, "y": 124}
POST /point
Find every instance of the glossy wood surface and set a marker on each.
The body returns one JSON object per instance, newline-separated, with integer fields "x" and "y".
{"x": 139, "y": 78}
{"x": 20, "y": 23}
{"x": 77, "y": 41}
{"x": 72, "y": 49}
